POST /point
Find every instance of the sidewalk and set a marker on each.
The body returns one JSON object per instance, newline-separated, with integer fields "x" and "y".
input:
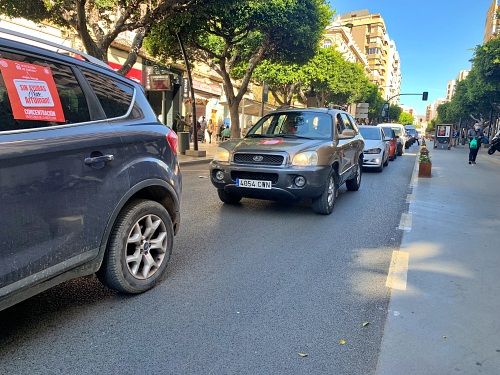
{"x": 209, "y": 148}
{"x": 443, "y": 319}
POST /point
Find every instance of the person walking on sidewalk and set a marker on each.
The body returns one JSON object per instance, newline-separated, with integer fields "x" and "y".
{"x": 475, "y": 136}
{"x": 210, "y": 130}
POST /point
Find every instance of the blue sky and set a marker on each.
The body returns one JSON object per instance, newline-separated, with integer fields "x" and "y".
{"x": 433, "y": 38}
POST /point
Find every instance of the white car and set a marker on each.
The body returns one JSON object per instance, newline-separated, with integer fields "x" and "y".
{"x": 401, "y": 135}
{"x": 376, "y": 151}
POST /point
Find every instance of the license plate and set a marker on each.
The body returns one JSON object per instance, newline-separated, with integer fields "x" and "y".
{"x": 254, "y": 184}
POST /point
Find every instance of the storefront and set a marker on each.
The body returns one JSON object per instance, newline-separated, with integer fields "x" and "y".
{"x": 207, "y": 96}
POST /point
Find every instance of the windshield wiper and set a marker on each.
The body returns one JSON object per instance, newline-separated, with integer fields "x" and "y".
{"x": 293, "y": 136}
{"x": 255, "y": 135}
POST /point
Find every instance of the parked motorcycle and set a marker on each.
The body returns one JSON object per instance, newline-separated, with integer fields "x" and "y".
{"x": 494, "y": 144}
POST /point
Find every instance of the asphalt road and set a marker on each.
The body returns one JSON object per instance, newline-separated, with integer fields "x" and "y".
{"x": 256, "y": 288}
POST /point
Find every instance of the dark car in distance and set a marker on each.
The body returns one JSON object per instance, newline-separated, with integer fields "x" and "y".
{"x": 292, "y": 154}
{"x": 89, "y": 179}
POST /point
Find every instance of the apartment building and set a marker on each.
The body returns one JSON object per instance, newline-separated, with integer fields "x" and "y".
{"x": 492, "y": 23}
{"x": 452, "y": 84}
{"x": 370, "y": 35}
{"x": 339, "y": 36}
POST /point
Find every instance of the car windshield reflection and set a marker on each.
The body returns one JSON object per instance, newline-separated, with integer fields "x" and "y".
{"x": 295, "y": 124}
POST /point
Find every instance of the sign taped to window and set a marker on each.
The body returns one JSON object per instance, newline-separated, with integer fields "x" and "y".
{"x": 32, "y": 91}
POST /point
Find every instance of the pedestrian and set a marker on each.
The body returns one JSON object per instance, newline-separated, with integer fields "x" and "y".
{"x": 226, "y": 133}
{"x": 417, "y": 137}
{"x": 475, "y": 136}
{"x": 210, "y": 130}
{"x": 203, "y": 128}
{"x": 454, "y": 136}
{"x": 462, "y": 136}
{"x": 188, "y": 127}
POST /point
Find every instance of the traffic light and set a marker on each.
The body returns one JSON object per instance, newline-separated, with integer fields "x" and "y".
{"x": 424, "y": 95}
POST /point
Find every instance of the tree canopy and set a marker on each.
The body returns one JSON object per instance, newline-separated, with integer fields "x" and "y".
{"x": 335, "y": 80}
{"x": 233, "y": 37}
{"x": 99, "y": 22}
{"x": 479, "y": 94}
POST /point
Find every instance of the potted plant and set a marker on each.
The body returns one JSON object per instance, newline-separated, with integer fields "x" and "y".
{"x": 424, "y": 162}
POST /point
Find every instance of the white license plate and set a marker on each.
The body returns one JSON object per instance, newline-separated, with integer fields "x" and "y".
{"x": 254, "y": 184}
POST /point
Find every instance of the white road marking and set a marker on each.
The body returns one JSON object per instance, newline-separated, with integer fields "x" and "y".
{"x": 405, "y": 222}
{"x": 398, "y": 270}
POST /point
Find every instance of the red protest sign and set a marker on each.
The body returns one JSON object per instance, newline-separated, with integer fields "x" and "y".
{"x": 32, "y": 91}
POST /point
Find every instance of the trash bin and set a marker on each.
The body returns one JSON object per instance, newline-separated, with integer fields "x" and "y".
{"x": 183, "y": 142}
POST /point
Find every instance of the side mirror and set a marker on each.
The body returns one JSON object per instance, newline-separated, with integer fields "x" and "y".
{"x": 346, "y": 134}
{"x": 387, "y": 139}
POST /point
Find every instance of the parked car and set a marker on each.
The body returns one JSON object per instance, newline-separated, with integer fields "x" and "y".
{"x": 400, "y": 134}
{"x": 411, "y": 131}
{"x": 90, "y": 178}
{"x": 292, "y": 154}
{"x": 376, "y": 151}
{"x": 393, "y": 142}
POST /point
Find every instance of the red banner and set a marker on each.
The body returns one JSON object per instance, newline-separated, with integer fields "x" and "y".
{"x": 134, "y": 74}
{"x": 32, "y": 91}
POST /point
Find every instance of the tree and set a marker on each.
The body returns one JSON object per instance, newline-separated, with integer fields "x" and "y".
{"x": 234, "y": 36}
{"x": 99, "y": 22}
{"x": 283, "y": 80}
{"x": 476, "y": 96}
{"x": 334, "y": 79}
{"x": 394, "y": 112}
{"x": 371, "y": 95}
{"x": 405, "y": 118}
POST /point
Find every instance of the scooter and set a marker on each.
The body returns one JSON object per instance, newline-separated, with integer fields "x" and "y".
{"x": 494, "y": 144}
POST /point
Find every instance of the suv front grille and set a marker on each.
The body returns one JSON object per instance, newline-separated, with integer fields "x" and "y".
{"x": 255, "y": 159}
{"x": 273, "y": 177}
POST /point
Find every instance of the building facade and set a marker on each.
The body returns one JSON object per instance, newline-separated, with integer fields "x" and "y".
{"x": 492, "y": 24}
{"x": 370, "y": 35}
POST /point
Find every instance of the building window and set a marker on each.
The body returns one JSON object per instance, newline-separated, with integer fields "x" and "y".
{"x": 327, "y": 43}
{"x": 373, "y": 51}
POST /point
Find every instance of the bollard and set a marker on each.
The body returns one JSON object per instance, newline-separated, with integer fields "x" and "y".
{"x": 183, "y": 142}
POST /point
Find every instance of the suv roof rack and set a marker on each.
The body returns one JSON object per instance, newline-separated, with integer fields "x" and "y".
{"x": 335, "y": 106}
{"x": 58, "y": 47}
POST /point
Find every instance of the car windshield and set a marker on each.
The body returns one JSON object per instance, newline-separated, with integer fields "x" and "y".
{"x": 296, "y": 124}
{"x": 371, "y": 133}
{"x": 410, "y": 131}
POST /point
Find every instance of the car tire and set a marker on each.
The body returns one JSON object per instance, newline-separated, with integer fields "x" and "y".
{"x": 354, "y": 183}
{"x": 227, "y": 197}
{"x": 139, "y": 247}
{"x": 325, "y": 203}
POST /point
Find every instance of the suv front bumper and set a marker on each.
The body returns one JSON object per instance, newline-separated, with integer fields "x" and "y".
{"x": 283, "y": 180}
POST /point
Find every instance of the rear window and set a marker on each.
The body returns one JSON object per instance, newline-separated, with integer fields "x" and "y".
{"x": 397, "y": 131}
{"x": 388, "y": 131}
{"x": 371, "y": 133}
{"x": 37, "y": 93}
{"x": 114, "y": 96}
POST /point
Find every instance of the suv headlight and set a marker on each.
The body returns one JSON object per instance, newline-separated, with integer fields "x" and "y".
{"x": 309, "y": 158}
{"x": 221, "y": 154}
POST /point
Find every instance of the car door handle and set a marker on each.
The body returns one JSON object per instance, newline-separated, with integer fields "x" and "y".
{"x": 99, "y": 159}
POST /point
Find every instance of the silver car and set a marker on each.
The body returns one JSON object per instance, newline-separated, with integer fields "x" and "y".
{"x": 292, "y": 154}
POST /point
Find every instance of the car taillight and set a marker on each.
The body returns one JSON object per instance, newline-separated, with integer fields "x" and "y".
{"x": 172, "y": 140}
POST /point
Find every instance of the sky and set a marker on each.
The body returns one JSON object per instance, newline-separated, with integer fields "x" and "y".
{"x": 435, "y": 40}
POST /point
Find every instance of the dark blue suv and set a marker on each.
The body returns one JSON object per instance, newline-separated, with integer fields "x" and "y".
{"x": 89, "y": 179}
